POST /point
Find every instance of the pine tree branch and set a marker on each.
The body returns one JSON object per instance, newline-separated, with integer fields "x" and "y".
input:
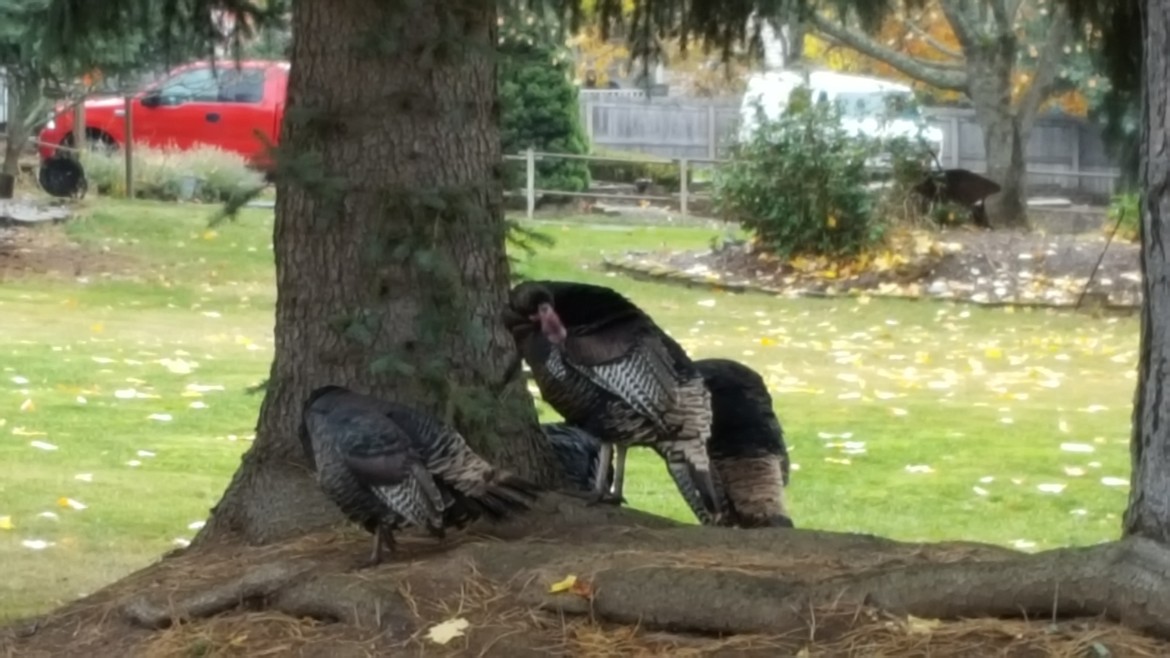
{"x": 928, "y": 72}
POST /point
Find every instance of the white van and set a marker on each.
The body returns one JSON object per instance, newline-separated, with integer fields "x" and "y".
{"x": 863, "y": 102}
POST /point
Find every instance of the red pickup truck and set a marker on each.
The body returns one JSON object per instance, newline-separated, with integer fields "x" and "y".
{"x": 233, "y": 108}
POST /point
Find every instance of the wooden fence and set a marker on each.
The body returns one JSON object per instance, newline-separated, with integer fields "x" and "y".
{"x": 3, "y": 97}
{"x": 1064, "y": 155}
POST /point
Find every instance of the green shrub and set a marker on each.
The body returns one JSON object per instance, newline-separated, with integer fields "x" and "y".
{"x": 538, "y": 104}
{"x": 1125, "y": 211}
{"x": 159, "y": 173}
{"x": 799, "y": 183}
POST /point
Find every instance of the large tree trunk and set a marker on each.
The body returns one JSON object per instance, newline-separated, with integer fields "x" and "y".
{"x": 1149, "y": 500}
{"x": 390, "y": 264}
{"x": 1004, "y": 139}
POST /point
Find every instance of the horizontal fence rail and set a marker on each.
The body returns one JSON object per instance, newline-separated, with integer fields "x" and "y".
{"x": 683, "y": 195}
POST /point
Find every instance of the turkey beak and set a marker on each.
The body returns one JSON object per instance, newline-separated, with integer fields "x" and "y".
{"x": 550, "y": 324}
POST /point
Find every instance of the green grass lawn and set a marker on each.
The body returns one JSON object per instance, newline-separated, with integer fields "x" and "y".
{"x": 127, "y": 393}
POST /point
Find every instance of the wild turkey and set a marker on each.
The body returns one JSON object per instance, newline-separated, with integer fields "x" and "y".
{"x": 604, "y": 365}
{"x": 577, "y": 453}
{"x": 747, "y": 444}
{"x": 960, "y": 186}
{"x": 386, "y": 465}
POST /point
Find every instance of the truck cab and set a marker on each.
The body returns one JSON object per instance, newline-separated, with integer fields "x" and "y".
{"x": 237, "y": 108}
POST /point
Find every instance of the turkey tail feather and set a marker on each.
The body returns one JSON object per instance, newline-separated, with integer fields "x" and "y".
{"x": 507, "y": 495}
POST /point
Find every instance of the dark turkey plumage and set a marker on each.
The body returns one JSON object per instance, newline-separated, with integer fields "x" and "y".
{"x": 747, "y": 444}
{"x": 746, "y": 448}
{"x": 607, "y": 368}
{"x": 577, "y": 453}
{"x": 386, "y": 465}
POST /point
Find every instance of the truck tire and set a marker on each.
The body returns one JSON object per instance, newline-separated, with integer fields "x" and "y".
{"x": 96, "y": 140}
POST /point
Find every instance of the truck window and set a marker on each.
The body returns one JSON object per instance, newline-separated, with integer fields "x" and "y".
{"x": 241, "y": 86}
{"x": 894, "y": 105}
{"x": 193, "y": 86}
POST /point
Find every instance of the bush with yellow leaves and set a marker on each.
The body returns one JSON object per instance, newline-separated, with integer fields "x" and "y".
{"x": 799, "y": 183}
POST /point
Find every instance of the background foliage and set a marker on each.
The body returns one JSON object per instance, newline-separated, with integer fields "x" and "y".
{"x": 799, "y": 183}
{"x": 538, "y": 103}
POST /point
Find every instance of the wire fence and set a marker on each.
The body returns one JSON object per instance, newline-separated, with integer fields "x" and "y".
{"x": 683, "y": 195}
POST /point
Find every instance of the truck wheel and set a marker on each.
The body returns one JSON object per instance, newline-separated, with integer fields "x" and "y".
{"x": 96, "y": 141}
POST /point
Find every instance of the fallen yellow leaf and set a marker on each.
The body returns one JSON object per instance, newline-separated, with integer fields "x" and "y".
{"x": 96, "y": 327}
{"x": 918, "y": 626}
{"x": 563, "y": 585}
{"x": 448, "y": 630}
{"x": 6, "y": 523}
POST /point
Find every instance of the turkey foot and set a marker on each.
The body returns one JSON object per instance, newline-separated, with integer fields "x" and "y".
{"x": 606, "y": 498}
{"x": 383, "y": 541}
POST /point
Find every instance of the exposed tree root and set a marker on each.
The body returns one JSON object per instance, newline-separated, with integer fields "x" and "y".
{"x": 1124, "y": 581}
{"x": 637, "y": 578}
{"x": 257, "y": 584}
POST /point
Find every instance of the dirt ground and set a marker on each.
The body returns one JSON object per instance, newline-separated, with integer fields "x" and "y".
{"x": 989, "y": 267}
{"x": 47, "y": 251}
{"x": 570, "y": 581}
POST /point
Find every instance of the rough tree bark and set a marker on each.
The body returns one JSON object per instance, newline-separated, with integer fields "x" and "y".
{"x": 983, "y": 71}
{"x": 379, "y": 212}
{"x": 1148, "y": 514}
{"x": 990, "y": 64}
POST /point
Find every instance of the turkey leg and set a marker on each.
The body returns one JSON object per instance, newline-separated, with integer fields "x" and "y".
{"x": 600, "y": 493}
{"x": 619, "y": 475}
{"x": 382, "y": 539}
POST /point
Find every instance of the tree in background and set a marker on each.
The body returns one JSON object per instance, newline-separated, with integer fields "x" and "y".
{"x": 538, "y": 103}
{"x": 26, "y": 74}
{"x": 1006, "y": 57}
{"x": 603, "y": 57}
{"x": 37, "y": 78}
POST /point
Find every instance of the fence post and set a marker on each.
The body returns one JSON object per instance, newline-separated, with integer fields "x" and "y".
{"x": 128, "y": 147}
{"x": 588, "y": 110}
{"x": 79, "y": 140}
{"x": 530, "y": 180}
{"x": 682, "y": 186}
{"x": 1076, "y": 157}
{"x": 955, "y": 140}
{"x": 712, "y": 145}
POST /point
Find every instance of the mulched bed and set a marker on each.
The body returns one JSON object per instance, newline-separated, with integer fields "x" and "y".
{"x": 984, "y": 267}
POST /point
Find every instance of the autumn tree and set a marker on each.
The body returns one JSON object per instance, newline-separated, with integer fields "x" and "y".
{"x": 391, "y": 273}
{"x": 977, "y": 53}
